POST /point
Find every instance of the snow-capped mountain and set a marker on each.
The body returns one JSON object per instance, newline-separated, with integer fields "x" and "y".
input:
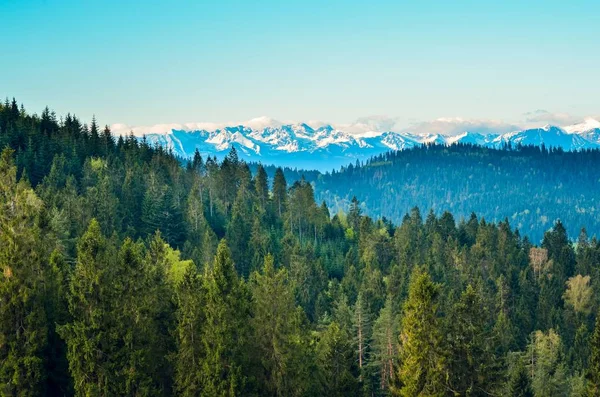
{"x": 326, "y": 147}
{"x": 550, "y": 136}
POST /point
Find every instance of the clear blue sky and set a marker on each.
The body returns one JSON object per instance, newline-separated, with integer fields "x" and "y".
{"x": 184, "y": 61}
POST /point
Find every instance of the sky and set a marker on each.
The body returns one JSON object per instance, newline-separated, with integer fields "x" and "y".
{"x": 150, "y": 62}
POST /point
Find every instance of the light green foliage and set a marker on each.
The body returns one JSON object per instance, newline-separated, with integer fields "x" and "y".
{"x": 175, "y": 267}
{"x": 23, "y": 328}
{"x": 422, "y": 365}
{"x": 544, "y": 362}
{"x": 579, "y": 294}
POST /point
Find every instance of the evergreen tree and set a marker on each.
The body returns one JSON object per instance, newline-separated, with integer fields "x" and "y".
{"x": 422, "y": 361}
{"x": 90, "y": 344}
{"x": 279, "y": 338}
{"x": 385, "y": 349}
{"x": 362, "y": 332}
{"x": 354, "y": 214}
{"x": 471, "y": 365}
{"x": 188, "y": 357}
{"x": 225, "y": 331}
{"x": 279, "y": 193}
{"x": 336, "y": 362}
{"x": 593, "y": 372}
{"x": 23, "y": 327}
{"x": 519, "y": 381}
{"x": 261, "y": 186}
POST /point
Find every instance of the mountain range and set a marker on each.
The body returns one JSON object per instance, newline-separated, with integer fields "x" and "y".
{"x": 326, "y": 147}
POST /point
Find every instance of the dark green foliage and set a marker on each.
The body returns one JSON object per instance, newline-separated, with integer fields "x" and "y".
{"x": 593, "y": 373}
{"x": 225, "y": 331}
{"x": 519, "y": 381}
{"x": 279, "y": 337}
{"x": 187, "y": 360}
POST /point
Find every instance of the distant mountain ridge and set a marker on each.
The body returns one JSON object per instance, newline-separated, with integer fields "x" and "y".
{"x": 326, "y": 147}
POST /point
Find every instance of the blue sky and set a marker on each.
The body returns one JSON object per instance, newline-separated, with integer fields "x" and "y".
{"x": 189, "y": 61}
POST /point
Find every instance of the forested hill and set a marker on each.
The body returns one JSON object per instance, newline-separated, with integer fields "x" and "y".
{"x": 532, "y": 187}
{"x": 124, "y": 273}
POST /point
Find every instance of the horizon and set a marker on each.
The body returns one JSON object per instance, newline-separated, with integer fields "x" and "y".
{"x": 361, "y": 127}
{"x": 407, "y": 63}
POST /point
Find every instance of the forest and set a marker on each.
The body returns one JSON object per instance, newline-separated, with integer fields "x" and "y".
{"x": 531, "y": 186}
{"x": 126, "y": 272}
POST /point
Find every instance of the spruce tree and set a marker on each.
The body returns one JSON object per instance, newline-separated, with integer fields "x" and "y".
{"x": 261, "y": 186}
{"x": 279, "y": 339}
{"x": 90, "y": 343}
{"x": 336, "y": 362}
{"x": 519, "y": 381}
{"x": 472, "y": 363}
{"x": 593, "y": 372}
{"x": 225, "y": 331}
{"x": 23, "y": 327}
{"x": 187, "y": 359}
{"x": 385, "y": 346}
{"x": 279, "y": 193}
{"x": 422, "y": 361}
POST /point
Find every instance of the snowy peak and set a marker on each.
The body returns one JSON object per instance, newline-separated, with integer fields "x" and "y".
{"x": 549, "y": 136}
{"x": 473, "y": 138}
{"x": 589, "y": 124}
{"x": 327, "y": 147}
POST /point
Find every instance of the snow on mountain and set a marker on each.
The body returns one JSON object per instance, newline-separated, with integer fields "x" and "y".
{"x": 473, "y": 138}
{"x": 434, "y": 139}
{"x": 326, "y": 147}
{"x": 589, "y": 124}
{"x": 550, "y": 136}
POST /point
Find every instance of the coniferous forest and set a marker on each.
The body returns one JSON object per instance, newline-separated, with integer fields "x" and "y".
{"x": 531, "y": 186}
{"x": 126, "y": 271}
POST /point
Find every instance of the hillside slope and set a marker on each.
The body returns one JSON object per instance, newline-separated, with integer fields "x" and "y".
{"x": 531, "y": 187}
